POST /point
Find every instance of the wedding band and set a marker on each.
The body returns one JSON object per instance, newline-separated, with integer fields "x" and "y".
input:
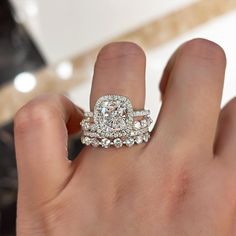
{"x": 114, "y": 123}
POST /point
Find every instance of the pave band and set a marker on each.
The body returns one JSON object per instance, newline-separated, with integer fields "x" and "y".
{"x": 115, "y": 123}
{"x": 117, "y": 142}
{"x": 135, "y": 113}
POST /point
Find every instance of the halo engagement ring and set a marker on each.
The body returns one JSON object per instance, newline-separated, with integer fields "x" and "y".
{"x": 114, "y": 123}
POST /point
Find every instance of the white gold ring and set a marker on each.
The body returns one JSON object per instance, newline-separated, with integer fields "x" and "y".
{"x": 114, "y": 123}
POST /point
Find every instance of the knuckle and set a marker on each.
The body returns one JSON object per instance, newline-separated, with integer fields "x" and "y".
{"x": 35, "y": 113}
{"x": 205, "y": 50}
{"x": 178, "y": 187}
{"x": 178, "y": 173}
{"x": 118, "y": 50}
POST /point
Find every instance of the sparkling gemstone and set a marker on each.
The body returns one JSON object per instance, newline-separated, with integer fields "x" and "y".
{"x": 138, "y": 139}
{"x": 86, "y": 141}
{"x": 123, "y": 132}
{"x": 88, "y": 114}
{"x": 132, "y": 133}
{"x": 143, "y": 123}
{"x": 82, "y": 140}
{"x": 137, "y": 124}
{"x": 118, "y": 142}
{"x": 85, "y": 125}
{"x": 105, "y": 142}
{"x": 149, "y": 120}
{"x": 93, "y": 127}
{"x": 113, "y": 114}
{"x": 146, "y": 137}
{"x": 95, "y": 142}
{"x": 129, "y": 142}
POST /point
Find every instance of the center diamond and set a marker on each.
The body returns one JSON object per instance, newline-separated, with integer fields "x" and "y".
{"x": 113, "y": 114}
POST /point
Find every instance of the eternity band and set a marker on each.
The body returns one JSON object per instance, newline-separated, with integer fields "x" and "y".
{"x": 114, "y": 123}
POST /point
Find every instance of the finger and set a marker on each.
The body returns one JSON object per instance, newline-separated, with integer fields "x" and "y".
{"x": 120, "y": 69}
{"x": 225, "y": 145}
{"x": 41, "y": 143}
{"x": 167, "y": 71}
{"x": 192, "y": 96}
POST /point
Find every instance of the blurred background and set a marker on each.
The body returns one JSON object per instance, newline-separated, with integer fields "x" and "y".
{"x": 49, "y": 46}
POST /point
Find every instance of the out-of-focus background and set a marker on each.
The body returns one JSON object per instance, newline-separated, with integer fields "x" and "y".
{"x": 51, "y": 46}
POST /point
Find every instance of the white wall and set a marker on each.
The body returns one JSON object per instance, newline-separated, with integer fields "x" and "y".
{"x": 63, "y": 28}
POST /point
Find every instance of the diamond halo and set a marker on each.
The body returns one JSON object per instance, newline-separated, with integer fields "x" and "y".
{"x": 113, "y": 114}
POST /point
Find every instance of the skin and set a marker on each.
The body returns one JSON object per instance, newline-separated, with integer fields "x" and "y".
{"x": 182, "y": 182}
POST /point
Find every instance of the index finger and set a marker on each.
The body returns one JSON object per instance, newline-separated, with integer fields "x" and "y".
{"x": 41, "y": 143}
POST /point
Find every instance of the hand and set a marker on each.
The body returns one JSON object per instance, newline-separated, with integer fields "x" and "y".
{"x": 180, "y": 183}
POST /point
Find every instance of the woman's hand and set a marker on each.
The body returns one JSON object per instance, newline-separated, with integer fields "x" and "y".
{"x": 182, "y": 182}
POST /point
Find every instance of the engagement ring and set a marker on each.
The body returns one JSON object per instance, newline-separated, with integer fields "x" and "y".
{"x": 114, "y": 123}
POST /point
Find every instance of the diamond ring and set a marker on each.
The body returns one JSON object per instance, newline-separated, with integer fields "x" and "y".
{"x": 114, "y": 123}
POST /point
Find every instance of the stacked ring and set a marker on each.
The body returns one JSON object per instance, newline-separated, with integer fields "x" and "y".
{"x": 114, "y": 123}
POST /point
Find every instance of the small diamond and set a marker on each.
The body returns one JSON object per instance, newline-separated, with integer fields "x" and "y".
{"x": 95, "y": 142}
{"x": 139, "y": 139}
{"x": 146, "y": 136}
{"x": 118, "y": 142}
{"x": 143, "y": 123}
{"x": 86, "y": 126}
{"x": 132, "y": 133}
{"x": 149, "y": 120}
{"x": 86, "y": 141}
{"x": 93, "y": 127}
{"x": 82, "y": 140}
{"x": 123, "y": 132}
{"x": 129, "y": 142}
{"x": 88, "y": 114}
{"x": 137, "y": 125}
{"x": 105, "y": 142}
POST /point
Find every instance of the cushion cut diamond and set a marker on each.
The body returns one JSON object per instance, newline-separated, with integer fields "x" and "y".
{"x": 113, "y": 114}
